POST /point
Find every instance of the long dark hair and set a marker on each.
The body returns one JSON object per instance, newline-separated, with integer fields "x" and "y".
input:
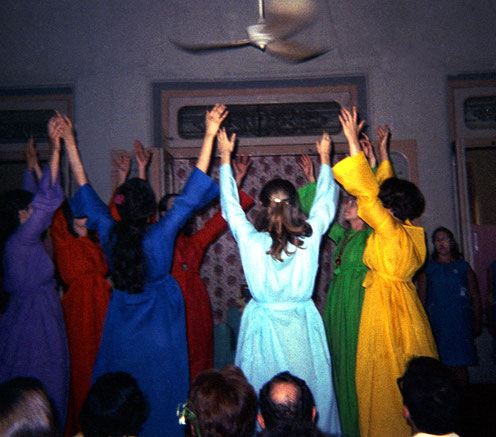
{"x": 281, "y": 217}
{"x": 135, "y": 203}
{"x": 454, "y": 251}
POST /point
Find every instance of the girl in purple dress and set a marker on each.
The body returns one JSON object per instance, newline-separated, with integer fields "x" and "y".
{"x": 32, "y": 332}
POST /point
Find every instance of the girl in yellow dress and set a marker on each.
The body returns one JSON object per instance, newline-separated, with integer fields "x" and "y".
{"x": 393, "y": 326}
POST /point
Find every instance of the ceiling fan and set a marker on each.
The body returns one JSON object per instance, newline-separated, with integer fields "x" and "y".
{"x": 284, "y": 18}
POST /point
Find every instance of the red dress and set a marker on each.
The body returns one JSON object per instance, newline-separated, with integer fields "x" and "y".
{"x": 188, "y": 256}
{"x": 82, "y": 267}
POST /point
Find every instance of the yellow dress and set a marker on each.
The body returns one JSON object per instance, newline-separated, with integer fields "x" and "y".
{"x": 393, "y": 326}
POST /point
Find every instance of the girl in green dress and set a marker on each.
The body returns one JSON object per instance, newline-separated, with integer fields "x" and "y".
{"x": 345, "y": 295}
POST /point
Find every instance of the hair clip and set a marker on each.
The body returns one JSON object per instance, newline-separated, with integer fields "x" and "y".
{"x": 119, "y": 199}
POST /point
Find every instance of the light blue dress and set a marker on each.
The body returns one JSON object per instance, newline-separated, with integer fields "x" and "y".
{"x": 281, "y": 329}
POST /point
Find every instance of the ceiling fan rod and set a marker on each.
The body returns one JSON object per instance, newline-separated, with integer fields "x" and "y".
{"x": 261, "y": 12}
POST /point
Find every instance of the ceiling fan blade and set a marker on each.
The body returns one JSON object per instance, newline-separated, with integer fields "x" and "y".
{"x": 211, "y": 46}
{"x": 285, "y": 18}
{"x": 293, "y": 51}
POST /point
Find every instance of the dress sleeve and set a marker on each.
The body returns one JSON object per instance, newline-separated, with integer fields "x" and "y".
{"x": 199, "y": 190}
{"x": 325, "y": 204}
{"x": 47, "y": 199}
{"x": 86, "y": 203}
{"x": 231, "y": 208}
{"x": 29, "y": 181}
{"x": 383, "y": 172}
{"x": 217, "y": 225}
{"x": 306, "y": 195}
{"x": 355, "y": 175}
{"x": 337, "y": 231}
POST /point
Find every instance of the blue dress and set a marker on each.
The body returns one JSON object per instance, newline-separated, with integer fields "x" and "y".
{"x": 281, "y": 329}
{"x": 32, "y": 331}
{"x": 145, "y": 334}
{"x": 450, "y": 312}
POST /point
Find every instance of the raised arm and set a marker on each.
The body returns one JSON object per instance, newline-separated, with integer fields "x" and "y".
{"x": 241, "y": 166}
{"x": 368, "y": 150}
{"x": 383, "y": 137}
{"x": 325, "y": 204}
{"x": 226, "y": 146}
{"x": 143, "y": 157}
{"x": 72, "y": 150}
{"x": 351, "y": 129}
{"x": 123, "y": 164}
{"x": 213, "y": 120}
{"x": 55, "y": 130}
{"x": 305, "y": 163}
{"x": 32, "y": 162}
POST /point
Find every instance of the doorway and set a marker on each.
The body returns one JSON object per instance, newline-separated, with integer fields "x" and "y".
{"x": 473, "y": 131}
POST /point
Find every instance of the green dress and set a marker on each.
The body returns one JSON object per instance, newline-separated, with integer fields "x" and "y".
{"x": 342, "y": 311}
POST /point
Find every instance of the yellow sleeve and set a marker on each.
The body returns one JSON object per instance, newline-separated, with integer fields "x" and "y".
{"x": 357, "y": 178}
{"x": 383, "y": 172}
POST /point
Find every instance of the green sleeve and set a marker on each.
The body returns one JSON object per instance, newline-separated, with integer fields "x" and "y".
{"x": 306, "y": 196}
{"x": 336, "y": 231}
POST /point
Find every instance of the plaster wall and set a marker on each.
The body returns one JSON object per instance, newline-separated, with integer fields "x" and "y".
{"x": 111, "y": 52}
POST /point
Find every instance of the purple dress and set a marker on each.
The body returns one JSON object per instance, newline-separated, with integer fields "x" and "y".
{"x": 32, "y": 332}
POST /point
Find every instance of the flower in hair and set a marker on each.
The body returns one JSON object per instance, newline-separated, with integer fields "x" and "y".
{"x": 119, "y": 199}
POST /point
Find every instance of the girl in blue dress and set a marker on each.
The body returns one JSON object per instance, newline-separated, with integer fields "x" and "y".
{"x": 450, "y": 294}
{"x": 145, "y": 330}
{"x": 281, "y": 329}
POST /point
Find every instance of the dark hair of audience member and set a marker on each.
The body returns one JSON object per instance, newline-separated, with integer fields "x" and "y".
{"x": 135, "y": 206}
{"x": 403, "y": 198}
{"x": 281, "y": 217}
{"x": 115, "y": 406}
{"x": 293, "y": 430}
{"x": 224, "y": 403}
{"x": 26, "y": 410}
{"x": 455, "y": 252}
{"x": 293, "y": 410}
{"x": 431, "y": 396}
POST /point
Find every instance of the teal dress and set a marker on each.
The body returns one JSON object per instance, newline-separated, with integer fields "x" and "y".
{"x": 342, "y": 310}
{"x": 281, "y": 329}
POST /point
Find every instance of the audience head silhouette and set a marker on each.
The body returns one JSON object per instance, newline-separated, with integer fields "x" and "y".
{"x": 222, "y": 403}
{"x": 430, "y": 396}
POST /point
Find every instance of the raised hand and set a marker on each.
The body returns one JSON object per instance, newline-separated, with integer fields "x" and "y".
{"x": 55, "y": 129}
{"x": 123, "y": 164}
{"x": 351, "y": 129}
{"x": 142, "y": 156}
{"x": 306, "y": 165}
{"x": 225, "y": 145}
{"x": 324, "y": 148}
{"x": 241, "y": 166}
{"x": 383, "y": 136}
{"x": 368, "y": 150}
{"x": 214, "y": 118}
{"x": 64, "y": 127}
